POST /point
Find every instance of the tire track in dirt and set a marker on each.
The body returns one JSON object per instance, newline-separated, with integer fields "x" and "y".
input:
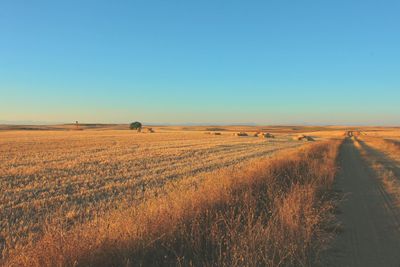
{"x": 370, "y": 222}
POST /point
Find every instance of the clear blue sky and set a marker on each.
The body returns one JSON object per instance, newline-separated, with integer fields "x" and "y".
{"x": 267, "y": 62}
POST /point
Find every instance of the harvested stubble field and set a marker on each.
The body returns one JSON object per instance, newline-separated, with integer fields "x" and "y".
{"x": 261, "y": 212}
{"x": 75, "y": 176}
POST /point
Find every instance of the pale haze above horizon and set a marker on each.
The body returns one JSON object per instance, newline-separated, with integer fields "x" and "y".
{"x": 176, "y": 62}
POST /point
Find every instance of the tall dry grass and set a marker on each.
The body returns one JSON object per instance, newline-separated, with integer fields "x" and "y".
{"x": 271, "y": 213}
{"x": 390, "y": 146}
{"x": 84, "y": 174}
{"x": 384, "y": 157}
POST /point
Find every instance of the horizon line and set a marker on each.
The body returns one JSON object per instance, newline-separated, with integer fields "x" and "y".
{"x": 193, "y": 124}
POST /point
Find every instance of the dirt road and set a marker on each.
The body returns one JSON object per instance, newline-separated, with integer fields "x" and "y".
{"x": 370, "y": 232}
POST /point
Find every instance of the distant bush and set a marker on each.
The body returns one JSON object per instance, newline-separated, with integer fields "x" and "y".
{"x": 136, "y": 126}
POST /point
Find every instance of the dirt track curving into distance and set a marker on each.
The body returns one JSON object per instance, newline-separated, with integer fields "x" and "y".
{"x": 370, "y": 221}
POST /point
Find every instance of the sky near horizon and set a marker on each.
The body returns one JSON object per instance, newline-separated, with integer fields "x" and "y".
{"x": 264, "y": 62}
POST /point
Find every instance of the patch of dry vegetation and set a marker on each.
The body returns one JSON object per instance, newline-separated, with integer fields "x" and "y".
{"x": 384, "y": 157}
{"x": 271, "y": 212}
{"x": 80, "y": 175}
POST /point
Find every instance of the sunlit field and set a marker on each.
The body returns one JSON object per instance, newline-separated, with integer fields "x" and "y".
{"x": 65, "y": 180}
{"x": 179, "y": 196}
{"x": 77, "y": 175}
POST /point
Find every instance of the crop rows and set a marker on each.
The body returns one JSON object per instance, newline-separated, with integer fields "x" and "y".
{"x": 77, "y": 175}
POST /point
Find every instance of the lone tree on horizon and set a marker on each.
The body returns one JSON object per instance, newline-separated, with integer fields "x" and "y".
{"x": 136, "y": 126}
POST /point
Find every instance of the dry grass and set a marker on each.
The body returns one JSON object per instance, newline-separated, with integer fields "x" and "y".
{"x": 271, "y": 212}
{"x": 384, "y": 157}
{"x": 80, "y": 175}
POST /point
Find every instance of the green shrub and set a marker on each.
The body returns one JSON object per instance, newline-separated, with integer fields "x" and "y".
{"x": 136, "y": 126}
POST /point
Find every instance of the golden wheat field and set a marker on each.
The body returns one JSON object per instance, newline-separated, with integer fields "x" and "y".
{"x": 97, "y": 185}
{"x": 187, "y": 196}
{"x": 77, "y": 175}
